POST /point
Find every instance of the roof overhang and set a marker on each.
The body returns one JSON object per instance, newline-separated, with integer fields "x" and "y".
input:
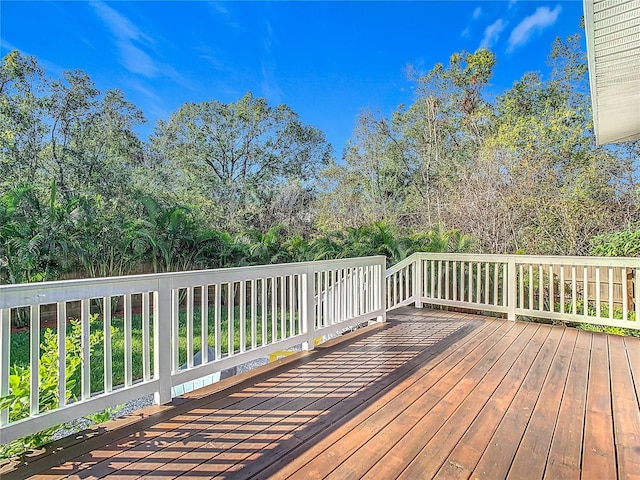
{"x": 613, "y": 49}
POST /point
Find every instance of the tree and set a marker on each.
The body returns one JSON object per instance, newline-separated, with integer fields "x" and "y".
{"x": 233, "y": 158}
{"x": 65, "y": 129}
{"x": 92, "y": 147}
{"x": 372, "y": 185}
{"x": 22, "y": 124}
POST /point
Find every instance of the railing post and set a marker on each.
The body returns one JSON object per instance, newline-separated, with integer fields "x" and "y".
{"x": 162, "y": 341}
{"x": 382, "y": 290}
{"x": 5, "y": 356}
{"x": 309, "y": 308}
{"x": 417, "y": 280}
{"x": 512, "y": 287}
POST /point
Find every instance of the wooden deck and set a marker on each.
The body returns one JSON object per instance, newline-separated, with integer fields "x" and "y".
{"x": 429, "y": 394}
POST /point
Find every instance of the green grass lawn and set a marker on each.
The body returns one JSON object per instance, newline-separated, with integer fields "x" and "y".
{"x": 20, "y": 343}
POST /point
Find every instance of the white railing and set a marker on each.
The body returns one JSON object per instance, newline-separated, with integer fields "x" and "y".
{"x": 174, "y": 328}
{"x": 595, "y": 290}
{"x": 178, "y": 327}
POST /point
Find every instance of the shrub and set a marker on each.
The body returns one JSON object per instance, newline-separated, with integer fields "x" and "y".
{"x": 18, "y": 400}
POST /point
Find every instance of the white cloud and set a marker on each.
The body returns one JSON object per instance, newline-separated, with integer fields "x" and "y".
{"x": 541, "y": 19}
{"x": 221, "y": 11}
{"x": 127, "y": 35}
{"x": 137, "y": 61}
{"x": 477, "y": 12}
{"x": 492, "y": 33}
{"x": 119, "y": 25}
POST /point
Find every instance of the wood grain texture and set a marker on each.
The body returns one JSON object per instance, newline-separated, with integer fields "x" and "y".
{"x": 431, "y": 394}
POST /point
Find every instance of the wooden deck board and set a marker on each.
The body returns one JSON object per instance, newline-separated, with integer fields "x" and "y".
{"x": 533, "y": 448}
{"x": 473, "y": 411}
{"x": 431, "y": 394}
{"x": 381, "y": 412}
{"x": 566, "y": 447}
{"x": 599, "y": 459}
{"x": 395, "y": 447}
{"x": 626, "y": 417}
{"x": 498, "y": 455}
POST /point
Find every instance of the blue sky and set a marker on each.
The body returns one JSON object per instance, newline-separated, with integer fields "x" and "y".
{"x": 326, "y": 60}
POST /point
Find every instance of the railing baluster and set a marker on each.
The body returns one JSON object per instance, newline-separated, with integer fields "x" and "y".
{"x": 5, "y": 359}
{"x": 496, "y": 285}
{"x": 637, "y": 290}
{"x": 86, "y": 363}
{"x": 455, "y": 280}
{"x": 478, "y": 282}
{"x": 432, "y": 271}
{"x": 625, "y": 293}
{"x": 540, "y": 288}
{"x": 291, "y": 305}
{"x": 283, "y": 308}
{"x": 598, "y": 292}
{"x": 447, "y": 286}
{"x": 62, "y": 352}
{"x": 505, "y": 284}
{"x": 574, "y": 291}
{"x": 146, "y": 365}
{"x": 348, "y": 293}
{"x": 531, "y": 287}
{"x": 217, "y": 319}
{"x": 610, "y": 293}
{"x": 263, "y": 309}
{"x": 190, "y": 332}
{"x": 551, "y": 290}
{"x": 242, "y": 299}
{"x": 34, "y": 336}
{"x": 470, "y": 273}
{"x": 521, "y": 286}
{"x": 369, "y": 288}
{"x": 487, "y": 283}
{"x": 128, "y": 350}
{"x": 175, "y": 332}
{"x": 317, "y": 279}
{"x": 231, "y": 327}
{"x": 107, "y": 354}
{"x": 254, "y": 314}
{"x": 585, "y": 281}
{"x": 204, "y": 324}
{"x": 562, "y": 289}
{"x": 357, "y": 288}
{"x": 396, "y": 280}
{"x": 274, "y": 319}
{"x": 361, "y": 281}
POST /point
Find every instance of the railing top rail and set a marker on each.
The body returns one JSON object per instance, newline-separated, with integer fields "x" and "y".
{"x": 534, "y": 259}
{"x": 17, "y": 295}
{"x": 402, "y": 264}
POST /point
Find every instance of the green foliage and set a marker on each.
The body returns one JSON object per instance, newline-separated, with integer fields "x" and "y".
{"x": 625, "y": 243}
{"x": 105, "y": 415}
{"x": 18, "y": 400}
{"x": 238, "y": 159}
{"x": 626, "y": 332}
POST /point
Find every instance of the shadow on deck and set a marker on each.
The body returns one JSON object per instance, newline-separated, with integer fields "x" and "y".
{"x": 429, "y": 394}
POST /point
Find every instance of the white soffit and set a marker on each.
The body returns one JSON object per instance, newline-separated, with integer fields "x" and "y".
{"x": 613, "y": 49}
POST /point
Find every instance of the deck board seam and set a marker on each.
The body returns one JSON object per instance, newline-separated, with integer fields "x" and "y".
{"x": 485, "y": 328}
{"x": 496, "y": 338}
{"x": 474, "y": 391}
{"x": 364, "y": 361}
